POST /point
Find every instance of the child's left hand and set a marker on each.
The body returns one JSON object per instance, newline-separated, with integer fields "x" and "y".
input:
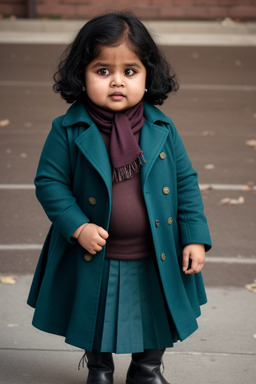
{"x": 194, "y": 253}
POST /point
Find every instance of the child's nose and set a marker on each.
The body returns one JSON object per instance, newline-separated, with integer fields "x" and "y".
{"x": 117, "y": 80}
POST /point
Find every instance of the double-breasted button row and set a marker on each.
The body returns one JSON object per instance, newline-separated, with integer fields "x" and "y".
{"x": 92, "y": 200}
{"x": 169, "y": 221}
{"x": 166, "y": 190}
{"x": 87, "y": 257}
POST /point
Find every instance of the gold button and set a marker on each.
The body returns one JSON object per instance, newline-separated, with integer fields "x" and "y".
{"x": 170, "y": 220}
{"x": 157, "y": 223}
{"x": 87, "y": 257}
{"x": 92, "y": 200}
{"x": 163, "y": 257}
{"x": 162, "y": 155}
{"x": 166, "y": 190}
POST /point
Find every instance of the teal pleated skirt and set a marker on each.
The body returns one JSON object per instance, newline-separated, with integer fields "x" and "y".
{"x": 132, "y": 313}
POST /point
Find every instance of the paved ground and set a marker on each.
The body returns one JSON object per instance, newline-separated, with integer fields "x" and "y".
{"x": 215, "y": 113}
{"x": 222, "y": 350}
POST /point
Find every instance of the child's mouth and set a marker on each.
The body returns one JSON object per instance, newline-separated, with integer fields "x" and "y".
{"x": 116, "y": 96}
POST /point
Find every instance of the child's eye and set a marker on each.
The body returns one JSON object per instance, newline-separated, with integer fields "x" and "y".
{"x": 103, "y": 72}
{"x": 129, "y": 72}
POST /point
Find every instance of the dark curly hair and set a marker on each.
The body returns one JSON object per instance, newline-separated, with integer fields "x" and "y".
{"x": 110, "y": 30}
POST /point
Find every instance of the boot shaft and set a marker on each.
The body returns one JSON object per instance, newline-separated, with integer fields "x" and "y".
{"x": 100, "y": 360}
{"x": 145, "y": 368}
{"x": 101, "y": 368}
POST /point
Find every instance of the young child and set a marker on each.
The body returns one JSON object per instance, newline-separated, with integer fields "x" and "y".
{"x": 120, "y": 268}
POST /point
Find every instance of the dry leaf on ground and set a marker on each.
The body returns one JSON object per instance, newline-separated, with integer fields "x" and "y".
{"x": 251, "y": 287}
{"x": 9, "y": 279}
{"x": 209, "y": 166}
{"x": 28, "y": 124}
{"x": 229, "y": 201}
{"x": 251, "y": 143}
{"x": 4, "y": 123}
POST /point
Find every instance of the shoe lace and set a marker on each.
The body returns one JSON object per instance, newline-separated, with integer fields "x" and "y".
{"x": 162, "y": 364}
{"x": 83, "y": 361}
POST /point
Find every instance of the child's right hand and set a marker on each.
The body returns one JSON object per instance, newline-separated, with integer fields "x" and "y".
{"x": 92, "y": 238}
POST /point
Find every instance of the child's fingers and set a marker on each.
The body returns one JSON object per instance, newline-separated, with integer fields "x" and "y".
{"x": 96, "y": 245}
{"x": 194, "y": 268}
{"x": 193, "y": 258}
{"x": 101, "y": 241}
{"x": 185, "y": 260}
{"x": 94, "y": 248}
{"x": 103, "y": 233}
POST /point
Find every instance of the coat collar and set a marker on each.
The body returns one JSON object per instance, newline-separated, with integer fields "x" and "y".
{"x": 76, "y": 114}
{"x": 91, "y": 144}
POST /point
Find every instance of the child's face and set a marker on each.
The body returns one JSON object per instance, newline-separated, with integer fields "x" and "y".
{"x": 115, "y": 80}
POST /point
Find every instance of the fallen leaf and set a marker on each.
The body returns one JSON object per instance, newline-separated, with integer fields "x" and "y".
{"x": 209, "y": 166}
{"x": 251, "y": 143}
{"x": 8, "y": 279}
{"x": 229, "y": 201}
{"x": 227, "y": 22}
{"x": 195, "y": 55}
{"x": 251, "y": 287}
{"x": 238, "y": 63}
{"x": 4, "y": 123}
{"x": 208, "y": 133}
{"x": 28, "y": 124}
{"x": 250, "y": 161}
{"x": 250, "y": 185}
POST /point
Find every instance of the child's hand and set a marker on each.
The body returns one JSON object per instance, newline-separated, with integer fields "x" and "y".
{"x": 92, "y": 238}
{"x": 194, "y": 253}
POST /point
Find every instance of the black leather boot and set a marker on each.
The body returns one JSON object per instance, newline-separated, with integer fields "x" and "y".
{"x": 145, "y": 368}
{"x": 101, "y": 368}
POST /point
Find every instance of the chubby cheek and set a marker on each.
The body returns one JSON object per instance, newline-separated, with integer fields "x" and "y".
{"x": 95, "y": 91}
{"x": 141, "y": 93}
{"x": 138, "y": 93}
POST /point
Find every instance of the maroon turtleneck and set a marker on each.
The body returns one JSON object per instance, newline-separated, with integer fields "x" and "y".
{"x": 129, "y": 230}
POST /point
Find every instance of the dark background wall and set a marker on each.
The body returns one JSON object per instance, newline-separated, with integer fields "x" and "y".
{"x": 146, "y": 9}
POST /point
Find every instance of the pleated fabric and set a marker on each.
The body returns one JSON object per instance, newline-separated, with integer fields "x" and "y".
{"x": 132, "y": 313}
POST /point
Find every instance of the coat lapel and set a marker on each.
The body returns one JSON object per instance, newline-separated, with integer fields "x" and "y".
{"x": 151, "y": 141}
{"x": 90, "y": 142}
{"x": 93, "y": 148}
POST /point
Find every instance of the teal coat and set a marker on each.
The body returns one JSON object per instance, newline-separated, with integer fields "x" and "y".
{"x": 74, "y": 168}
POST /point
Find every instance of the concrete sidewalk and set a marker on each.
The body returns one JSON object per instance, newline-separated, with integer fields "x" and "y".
{"x": 223, "y": 350}
{"x": 202, "y": 33}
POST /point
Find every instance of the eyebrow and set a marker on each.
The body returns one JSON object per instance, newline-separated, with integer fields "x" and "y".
{"x": 101, "y": 64}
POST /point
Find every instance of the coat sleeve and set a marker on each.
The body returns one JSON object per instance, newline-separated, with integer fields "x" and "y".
{"x": 53, "y": 183}
{"x": 192, "y": 221}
